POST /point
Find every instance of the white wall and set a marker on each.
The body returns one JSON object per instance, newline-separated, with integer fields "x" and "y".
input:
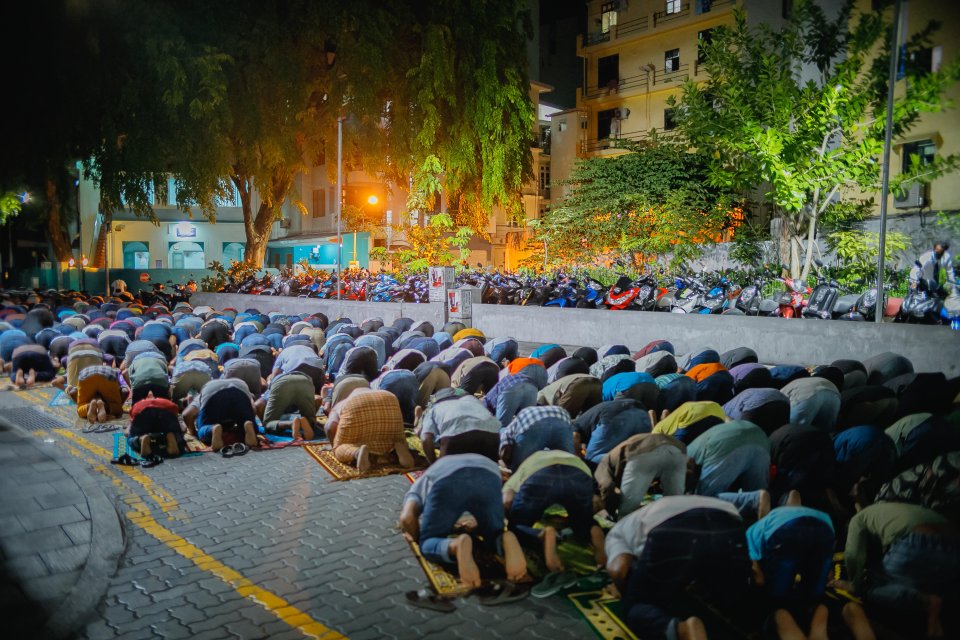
{"x": 158, "y": 238}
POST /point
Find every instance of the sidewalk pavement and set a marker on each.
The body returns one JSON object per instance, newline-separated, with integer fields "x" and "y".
{"x": 60, "y": 538}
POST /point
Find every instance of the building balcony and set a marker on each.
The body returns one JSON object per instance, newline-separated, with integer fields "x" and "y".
{"x": 652, "y": 80}
{"x": 660, "y": 20}
{"x": 590, "y": 146}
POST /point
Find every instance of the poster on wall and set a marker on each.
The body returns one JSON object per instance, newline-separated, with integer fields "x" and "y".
{"x": 441, "y": 279}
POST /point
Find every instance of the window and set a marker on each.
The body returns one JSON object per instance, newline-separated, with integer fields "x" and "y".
{"x": 669, "y": 124}
{"x": 924, "y": 149}
{"x": 704, "y": 38}
{"x": 608, "y": 72}
{"x": 922, "y": 62}
{"x": 786, "y": 9}
{"x": 604, "y": 120}
{"x": 319, "y": 203}
{"x": 186, "y": 255}
{"x": 671, "y": 60}
{"x": 232, "y": 252}
{"x": 702, "y": 6}
{"x": 673, "y": 6}
{"x": 608, "y": 16}
{"x": 136, "y": 255}
{"x": 544, "y": 177}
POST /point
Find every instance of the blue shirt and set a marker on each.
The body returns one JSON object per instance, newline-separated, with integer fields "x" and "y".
{"x": 444, "y": 467}
{"x": 761, "y": 531}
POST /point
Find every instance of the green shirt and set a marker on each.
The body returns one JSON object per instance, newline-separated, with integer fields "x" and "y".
{"x": 720, "y": 441}
{"x": 875, "y": 528}
{"x": 148, "y": 370}
{"x": 542, "y": 460}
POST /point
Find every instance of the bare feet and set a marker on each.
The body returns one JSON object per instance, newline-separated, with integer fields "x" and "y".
{"x": 691, "y": 629}
{"x": 173, "y": 447}
{"x": 32, "y": 378}
{"x": 793, "y": 498}
{"x": 787, "y": 628}
{"x": 92, "y": 411}
{"x": 145, "y": 446}
{"x": 550, "y": 556}
{"x": 763, "y": 504}
{"x": 295, "y": 429}
{"x": 857, "y": 621}
{"x": 933, "y": 605}
{"x": 462, "y": 547}
{"x": 306, "y": 429}
{"x": 599, "y": 550}
{"x": 514, "y": 560}
{"x": 101, "y": 411}
{"x": 818, "y": 624}
{"x": 19, "y": 379}
{"x": 363, "y": 459}
{"x": 249, "y": 434}
{"x": 404, "y": 457}
{"x": 216, "y": 437}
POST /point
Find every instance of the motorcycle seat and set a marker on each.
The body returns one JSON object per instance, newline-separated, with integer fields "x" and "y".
{"x": 768, "y": 306}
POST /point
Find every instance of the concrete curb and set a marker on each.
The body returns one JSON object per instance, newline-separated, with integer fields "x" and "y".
{"x": 107, "y": 543}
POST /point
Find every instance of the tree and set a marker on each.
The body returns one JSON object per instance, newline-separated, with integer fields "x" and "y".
{"x": 799, "y": 114}
{"x": 436, "y": 91}
{"x": 647, "y": 202}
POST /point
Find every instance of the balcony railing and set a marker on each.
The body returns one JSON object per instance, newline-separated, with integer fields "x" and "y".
{"x": 596, "y": 38}
{"x": 677, "y": 73}
{"x": 600, "y": 144}
{"x": 633, "y": 26}
{"x": 623, "y": 84}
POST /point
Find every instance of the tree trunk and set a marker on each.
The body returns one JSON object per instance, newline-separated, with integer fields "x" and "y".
{"x": 258, "y": 235}
{"x": 257, "y": 227}
{"x": 58, "y": 236}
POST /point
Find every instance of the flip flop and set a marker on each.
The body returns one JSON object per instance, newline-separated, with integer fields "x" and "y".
{"x": 554, "y": 582}
{"x": 151, "y": 461}
{"x": 125, "y": 460}
{"x": 425, "y": 599}
{"x": 240, "y": 449}
{"x": 102, "y": 427}
{"x": 593, "y": 581}
{"x": 504, "y": 591}
{"x": 227, "y": 451}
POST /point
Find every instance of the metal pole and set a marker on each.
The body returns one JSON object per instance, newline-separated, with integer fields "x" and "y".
{"x": 339, "y": 198}
{"x": 106, "y": 257}
{"x": 887, "y": 141}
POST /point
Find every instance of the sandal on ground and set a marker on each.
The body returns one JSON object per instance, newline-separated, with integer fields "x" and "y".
{"x": 125, "y": 460}
{"x": 151, "y": 461}
{"x": 503, "y": 592}
{"x": 593, "y": 581}
{"x": 425, "y": 599}
{"x": 554, "y": 582}
{"x": 240, "y": 449}
{"x": 101, "y": 427}
{"x": 226, "y": 451}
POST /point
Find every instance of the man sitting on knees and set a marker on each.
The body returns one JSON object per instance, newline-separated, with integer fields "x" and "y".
{"x": 546, "y": 478}
{"x": 455, "y": 484}
{"x": 289, "y": 393}
{"x": 154, "y": 424}
{"x": 370, "y": 431}
{"x": 655, "y": 553}
{"x": 625, "y": 475}
{"x": 222, "y": 414}
{"x": 458, "y": 423}
{"x": 100, "y": 395}
{"x": 535, "y": 429}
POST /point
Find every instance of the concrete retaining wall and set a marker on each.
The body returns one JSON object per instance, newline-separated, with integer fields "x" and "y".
{"x": 804, "y": 342}
{"x": 356, "y": 311}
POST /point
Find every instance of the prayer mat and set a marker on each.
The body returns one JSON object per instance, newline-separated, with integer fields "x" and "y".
{"x": 121, "y": 447}
{"x": 603, "y": 613}
{"x": 413, "y": 476}
{"x": 446, "y": 584}
{"x": 839, "y": 572}
{"x": 323, "y": 453}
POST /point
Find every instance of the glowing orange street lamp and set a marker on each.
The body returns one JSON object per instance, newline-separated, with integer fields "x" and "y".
{"x": 371, "y": 200}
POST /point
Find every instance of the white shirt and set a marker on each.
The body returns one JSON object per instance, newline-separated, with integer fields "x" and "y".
{"x": 630, "y": 534}
{"x": 929, "y": 268}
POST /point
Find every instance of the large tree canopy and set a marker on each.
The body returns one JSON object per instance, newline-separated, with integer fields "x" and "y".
{"x": 799, "y": 115}
{"x": 434, "y": 93}
{"x": 648, "y": 202}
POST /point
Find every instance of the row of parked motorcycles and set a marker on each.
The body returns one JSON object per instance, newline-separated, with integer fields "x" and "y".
{"x": 704, "y": 294}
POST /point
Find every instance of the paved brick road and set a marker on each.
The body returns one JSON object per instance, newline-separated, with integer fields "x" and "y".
{"x": 271, "y": 522}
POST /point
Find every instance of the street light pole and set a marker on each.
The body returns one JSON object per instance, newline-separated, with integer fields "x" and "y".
{"x": 887, "y": 141}
{"x": 339, "y": 199}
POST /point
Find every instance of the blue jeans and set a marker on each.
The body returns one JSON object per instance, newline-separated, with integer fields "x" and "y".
{"x": 915, "y": 564}
{"x": 229, "y": 408}
{"x": 472, "y": 490}
{"x": 703, "y": 545}
{"x": 545, "y": 434}
{"x": 804, "y": 548}
{"x": 557, "y": 484}
{"x": 614, "y": 430}
{"x": 745, "y": 470}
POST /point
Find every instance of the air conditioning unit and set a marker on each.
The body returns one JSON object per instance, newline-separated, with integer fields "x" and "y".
{"x": 914, "y": 197}
{"x": 622, "y": 113}
{"x": 284, "y": 223}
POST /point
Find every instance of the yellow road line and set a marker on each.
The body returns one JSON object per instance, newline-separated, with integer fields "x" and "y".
{"x": 142, "y": 517}
{"x": 269, "y": 601}
{"x": 164, "y": 500}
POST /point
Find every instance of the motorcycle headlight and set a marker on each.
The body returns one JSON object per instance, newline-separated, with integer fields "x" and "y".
{"x": 644, "y": 291}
